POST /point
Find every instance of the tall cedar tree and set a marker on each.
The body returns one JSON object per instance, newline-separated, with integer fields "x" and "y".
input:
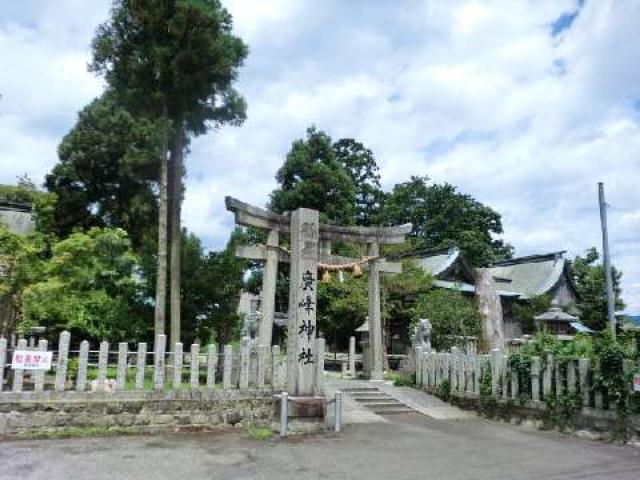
{"x": 312, "y": 177}
{"x": 107, "y": 172}
{"x": 361, "y": 166}
{"x": 443, "y": 217}
{"x": 177, "y": 61}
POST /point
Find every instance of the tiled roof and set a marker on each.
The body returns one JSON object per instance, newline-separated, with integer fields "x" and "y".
{"x": 530, "y": 276}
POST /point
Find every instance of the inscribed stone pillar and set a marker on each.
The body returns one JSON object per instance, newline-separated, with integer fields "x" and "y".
{"x": 194, "y": 377}
{"x": 303, "y": 284}
{"x": 227, "y": 366}
{"x": 158, "y": 361}
{"x": 63, "y": 360}
{"x": 121, "y": 373}
{"x": 276, "y": 371}
{"x": 103, "y": 361}
{"x": 535, "y": 380}
{"x": 583, "y": 365}
{"x": 571, "y": 376}
{"x": 454, "y": 369}
{"x": 212, "y": 364}
{"x": 495, "y": 371}
{"x": 3, "y": 361}
{"x": 43, "y": 345}
{"x": 245, "y": 351}
{"x": 268, "y": 294}
{"x": 263, "y": 365}
{"x": 418, "y": 357}
{"x": 141, "y": 361}
{"x": 177, "y": 365}
{"x": 375, "y": 320}
{"x": 546, "y": 377}
{"x": 352, "y": 356}
{"x": 83, "y": 361}
{"x": 18, "y": 373}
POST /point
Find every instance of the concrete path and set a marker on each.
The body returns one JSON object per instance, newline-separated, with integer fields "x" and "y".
{"x": 406, "y": 447}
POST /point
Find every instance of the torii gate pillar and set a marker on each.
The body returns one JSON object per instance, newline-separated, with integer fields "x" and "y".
{"x": 268, "y": 294}
{"x": 375, "y": 321}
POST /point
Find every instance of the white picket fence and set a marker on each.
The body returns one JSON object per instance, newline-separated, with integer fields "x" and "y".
{"x": 243, "y": 368}
{"x": 548, "y": 377}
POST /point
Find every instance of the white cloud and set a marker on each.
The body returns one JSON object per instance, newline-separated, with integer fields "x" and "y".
{"x": 478, "y": 94}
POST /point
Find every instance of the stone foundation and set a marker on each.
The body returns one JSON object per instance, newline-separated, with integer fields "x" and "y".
{"x": 50, "y": 412}
{"x": 588, "y": 422}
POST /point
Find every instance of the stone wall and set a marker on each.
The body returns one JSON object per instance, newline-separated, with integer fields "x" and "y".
{"x": 26, "y": 414}
{"x": 587, "y": 422}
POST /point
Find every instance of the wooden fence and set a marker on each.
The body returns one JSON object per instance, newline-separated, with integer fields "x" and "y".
{"x": 541, "y": 379}
{"x": 106, "y": 371}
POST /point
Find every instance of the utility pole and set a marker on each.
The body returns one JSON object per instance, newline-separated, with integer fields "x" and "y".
{"x": 611, "y": 310}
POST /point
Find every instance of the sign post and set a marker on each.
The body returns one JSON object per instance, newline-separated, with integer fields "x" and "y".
{"x": 31, "y": 360}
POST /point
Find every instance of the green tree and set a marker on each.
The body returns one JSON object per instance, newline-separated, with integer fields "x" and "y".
{"x": 442, "y": 217}
{"x": 360, "y": 164}
{"x": 399, "y": 296}
{"x": 525, "y": 311}
{"x": 107, "y": 172}
{"x": 211, "y": 289}
{"x": 590, "y": 289}
{"x": 21, "y": 263}
{"x": 219, "y": 279}
{"x": 173, "y": 60}
{"x": 88, "y": 286}
{"x": 313, "y": 177}
{"x": 342, "y": 307}
{"x": 452, "y": 315}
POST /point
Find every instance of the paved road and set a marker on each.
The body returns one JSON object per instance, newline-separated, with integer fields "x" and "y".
{"x": 408, "y": 447}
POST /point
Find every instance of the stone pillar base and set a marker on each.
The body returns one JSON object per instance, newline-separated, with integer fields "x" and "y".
{"x": 305, "y": 415}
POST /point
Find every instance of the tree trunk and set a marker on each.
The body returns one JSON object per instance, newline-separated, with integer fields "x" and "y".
{"x": 177, "y": 150}
{"x": 161, "y": 276}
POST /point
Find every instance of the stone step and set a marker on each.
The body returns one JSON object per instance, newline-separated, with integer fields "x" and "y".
{"x": 361, "y": 389}
{"x": 380, "y": 405}
{"x": 393, "y": 410}
{"x": 376, "y": 399}
{"x": 368, "y": 395}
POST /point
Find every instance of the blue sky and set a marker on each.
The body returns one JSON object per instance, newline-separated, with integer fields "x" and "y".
{"x": 525, "y": 105}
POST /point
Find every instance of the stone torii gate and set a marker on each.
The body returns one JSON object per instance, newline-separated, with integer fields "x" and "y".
{"x": 311, "y": 244}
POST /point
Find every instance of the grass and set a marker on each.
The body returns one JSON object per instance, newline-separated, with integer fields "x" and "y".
{"x": 259, "y": 432}
{"x": 69, "y": 432}
{"x": 400, "y": 379}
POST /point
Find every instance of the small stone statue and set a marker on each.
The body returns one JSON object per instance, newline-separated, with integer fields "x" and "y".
{"x": 422, "y": 335}
{"x": 251, "y": 325}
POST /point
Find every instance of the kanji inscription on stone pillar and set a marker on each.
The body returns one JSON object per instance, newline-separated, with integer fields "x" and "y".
{"x": 303, "y": 287}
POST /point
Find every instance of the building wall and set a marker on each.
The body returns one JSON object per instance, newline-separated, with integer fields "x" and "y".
{"x": 18, "y": 222}
{"x": 512, "y": 326}
{"x": 563, "y": 294}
